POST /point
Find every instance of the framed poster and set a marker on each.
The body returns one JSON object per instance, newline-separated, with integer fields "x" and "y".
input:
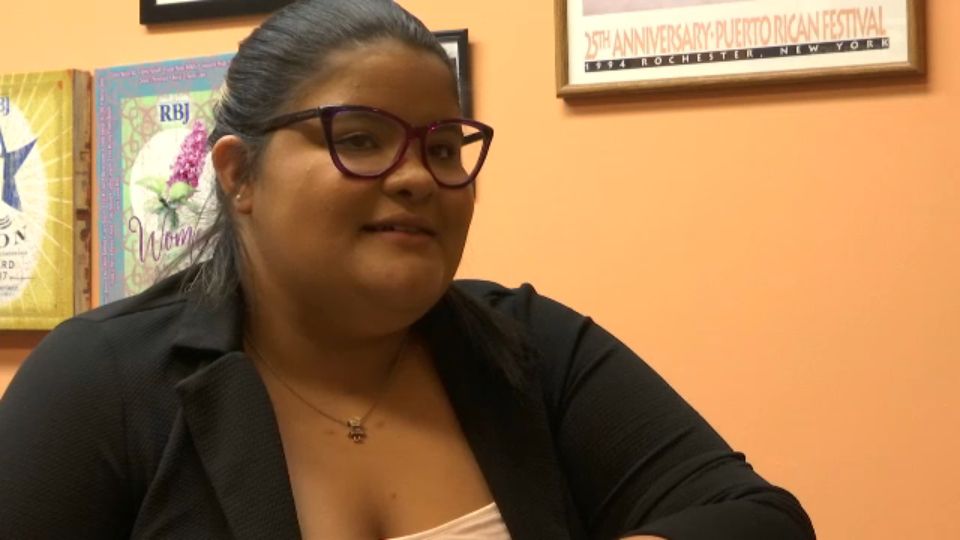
{"x": 154, "y": 176}
{"x": 622, "y": 46}
{"x": 163, "y": 11}
{"x": 45, "y": 198}
{"x": 457, "y": 45}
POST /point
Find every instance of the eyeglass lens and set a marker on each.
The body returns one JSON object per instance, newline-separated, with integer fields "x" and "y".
{"x": 368, "y": 143}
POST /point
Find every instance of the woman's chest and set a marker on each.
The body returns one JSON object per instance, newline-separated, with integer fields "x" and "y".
{"x": 412, "y": 472}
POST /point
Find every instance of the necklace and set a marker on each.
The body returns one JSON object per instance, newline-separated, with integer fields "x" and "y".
{"x": 356, "y": 430}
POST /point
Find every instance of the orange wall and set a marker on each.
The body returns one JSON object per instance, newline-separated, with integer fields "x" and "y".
{"x": 788, "y": 258}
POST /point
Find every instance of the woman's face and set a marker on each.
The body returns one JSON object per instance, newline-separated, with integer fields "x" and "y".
{"x": 391, "y": 243}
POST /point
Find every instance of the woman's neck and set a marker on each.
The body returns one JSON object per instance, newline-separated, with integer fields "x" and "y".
{"x": 320, "y": 351}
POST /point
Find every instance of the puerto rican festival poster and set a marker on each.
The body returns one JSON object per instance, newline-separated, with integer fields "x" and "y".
{"x": 154, "y": 177}
{"x": 614, "y": 41}
{"x": 44, "y": 201}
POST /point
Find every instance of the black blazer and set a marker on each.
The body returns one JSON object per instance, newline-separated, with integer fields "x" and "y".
{"x": 145, "y": 419}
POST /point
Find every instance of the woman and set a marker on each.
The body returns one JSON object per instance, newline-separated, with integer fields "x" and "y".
{"x": 322, "y": 376}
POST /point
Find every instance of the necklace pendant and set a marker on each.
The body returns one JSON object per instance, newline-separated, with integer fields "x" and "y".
{"x": 357, "y": 432}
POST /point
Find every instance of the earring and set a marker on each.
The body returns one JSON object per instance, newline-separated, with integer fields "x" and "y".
{"x": 237, "y": 197}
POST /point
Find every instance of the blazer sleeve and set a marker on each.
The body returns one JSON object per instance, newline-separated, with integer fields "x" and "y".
{"x": 62, "y": 451}
{"x": 638, "y": 458}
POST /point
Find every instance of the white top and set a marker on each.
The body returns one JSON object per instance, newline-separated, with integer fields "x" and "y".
{"x": 485, "y": 523}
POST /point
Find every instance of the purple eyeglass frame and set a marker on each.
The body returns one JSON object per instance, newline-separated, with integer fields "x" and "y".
{"x": 326, "y": 114}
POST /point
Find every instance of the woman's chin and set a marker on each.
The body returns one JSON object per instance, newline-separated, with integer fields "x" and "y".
{"x": 406, "y": 291}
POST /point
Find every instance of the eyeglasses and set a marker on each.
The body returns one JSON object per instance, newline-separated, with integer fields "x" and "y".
{"x": 365, "y": 142}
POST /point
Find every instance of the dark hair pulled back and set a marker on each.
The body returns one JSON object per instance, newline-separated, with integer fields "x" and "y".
{"x": 275, "y": 62}
{"x": 272, "y": 65}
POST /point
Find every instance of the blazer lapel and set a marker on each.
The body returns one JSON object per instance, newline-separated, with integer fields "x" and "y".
{"x": 508, "y": 432}
{"x": 230, "y": 419}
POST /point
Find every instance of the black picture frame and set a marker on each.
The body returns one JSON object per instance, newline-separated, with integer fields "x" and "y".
{"x": 151, "y": 12}
{"x": 457, "y": 44}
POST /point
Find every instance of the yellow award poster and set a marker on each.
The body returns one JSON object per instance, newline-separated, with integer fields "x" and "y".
{"x": 45, "y": 197}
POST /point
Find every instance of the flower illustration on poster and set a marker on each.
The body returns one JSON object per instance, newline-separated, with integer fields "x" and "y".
{"x": 175, "y": 191}
{"x": 23, "y": 203}
{"x": 170, "y": 184}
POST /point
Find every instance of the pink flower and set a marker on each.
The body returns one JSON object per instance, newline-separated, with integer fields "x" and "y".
{"x": 189, "y": 163}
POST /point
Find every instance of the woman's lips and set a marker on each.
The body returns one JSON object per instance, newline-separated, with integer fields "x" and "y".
{"x": 404, "y": 229}
{"x": 406, "y": 224}
{"x": 403, "y": 234}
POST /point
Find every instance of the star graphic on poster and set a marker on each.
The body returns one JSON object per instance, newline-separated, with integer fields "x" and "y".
{"x": 12, "y": 161}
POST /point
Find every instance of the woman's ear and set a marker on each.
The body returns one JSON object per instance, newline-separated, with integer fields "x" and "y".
{"x": 229, "y": 156}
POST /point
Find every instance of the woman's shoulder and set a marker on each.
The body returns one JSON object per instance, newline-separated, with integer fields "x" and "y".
{"x": 115, "y": 343}
{"x": 165, "y": 295}
{"x": 551, "y": 330}
{"x": 523, "y": 303}
{"x": 122, "y": 360}
{"x": 142, "y": 319}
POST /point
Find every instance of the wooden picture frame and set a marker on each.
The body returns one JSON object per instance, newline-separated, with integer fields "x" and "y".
{"x": 616, "y": 47}
{"x": 168, "y": 11}
{"x": 45, "y": 198}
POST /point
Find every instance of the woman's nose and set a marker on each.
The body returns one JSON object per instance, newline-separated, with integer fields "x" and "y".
{"x": 411, "y": 179}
